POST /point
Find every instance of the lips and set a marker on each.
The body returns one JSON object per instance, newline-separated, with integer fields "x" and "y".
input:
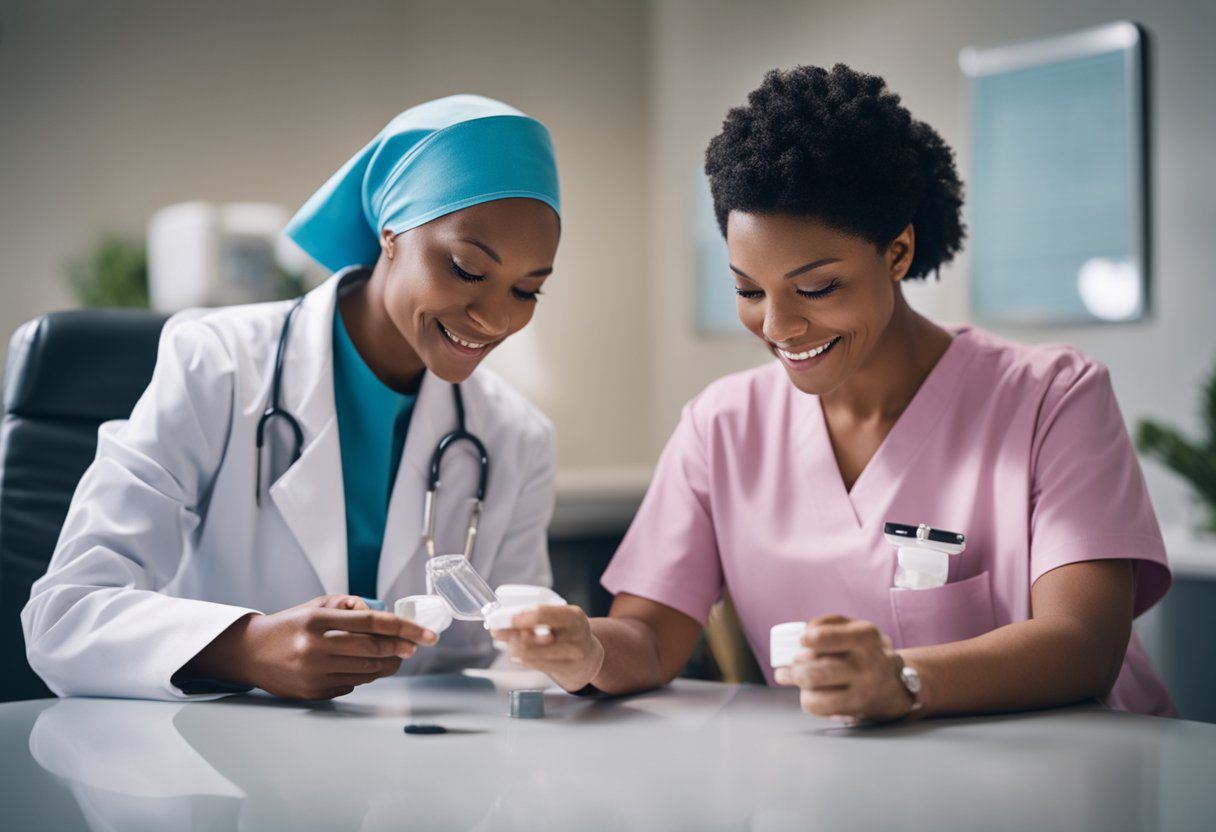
{"x": 464, "y": 347}
{"x": 807, "y": 353}
{"x": 808, "y": 358}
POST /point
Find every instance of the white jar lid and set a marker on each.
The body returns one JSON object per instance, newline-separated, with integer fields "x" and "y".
{"x": 428, "y": 611}
{"x": 515, "y": 598}
{"x": 785, "y": 640}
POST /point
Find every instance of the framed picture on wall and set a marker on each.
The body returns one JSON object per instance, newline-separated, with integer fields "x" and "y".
{"x": 1059, "y": 210}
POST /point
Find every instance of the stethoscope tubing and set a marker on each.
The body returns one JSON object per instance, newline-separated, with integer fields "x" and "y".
{"x": 275, "y": 410}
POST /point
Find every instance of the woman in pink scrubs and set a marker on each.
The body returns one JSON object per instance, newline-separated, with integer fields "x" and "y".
{"x": 777, "y": 481}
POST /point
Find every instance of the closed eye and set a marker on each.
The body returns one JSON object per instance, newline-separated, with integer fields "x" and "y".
{"x": 752, "y": 294}
{"x": 820, "y": 293}
{"x": 463, "y": 275}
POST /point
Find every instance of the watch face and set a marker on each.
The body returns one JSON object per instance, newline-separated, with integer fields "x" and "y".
{"x": 911, "y": 680}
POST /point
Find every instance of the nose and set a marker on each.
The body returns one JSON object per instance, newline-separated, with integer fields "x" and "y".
{"x": 492, "y": 319}
{"x": 783, "y": 324}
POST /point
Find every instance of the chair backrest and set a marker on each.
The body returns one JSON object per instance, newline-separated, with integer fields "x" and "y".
{"x": 66, "y": 373}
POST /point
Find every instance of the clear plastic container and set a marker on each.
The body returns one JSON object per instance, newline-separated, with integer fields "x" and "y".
{"x": 469, "y": 597}
{"x": 454, "y": 579}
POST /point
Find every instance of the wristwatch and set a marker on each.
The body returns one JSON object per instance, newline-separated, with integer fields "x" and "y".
{"x": 910, "y": 679}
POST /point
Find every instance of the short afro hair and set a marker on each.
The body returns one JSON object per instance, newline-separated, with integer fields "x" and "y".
{"x": 838, "y": 146}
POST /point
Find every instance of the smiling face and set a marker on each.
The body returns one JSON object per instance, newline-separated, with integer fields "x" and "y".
{"x": 819, "y": 298}
{"x": 458, "y": 286}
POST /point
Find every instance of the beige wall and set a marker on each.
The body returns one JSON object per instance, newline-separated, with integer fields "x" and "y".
{"x": 109, "y": 111}
{"x": 707, "y": 54}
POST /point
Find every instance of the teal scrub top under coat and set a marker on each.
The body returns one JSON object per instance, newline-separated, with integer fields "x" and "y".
{"x": 373, "y": 420}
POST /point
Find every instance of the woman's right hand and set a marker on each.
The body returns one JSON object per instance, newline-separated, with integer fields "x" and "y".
{"x": 318, "y": 650}
{"x": 569, "y": 653}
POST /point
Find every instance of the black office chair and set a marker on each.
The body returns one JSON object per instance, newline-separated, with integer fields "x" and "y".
{"x": 66, "y": 373}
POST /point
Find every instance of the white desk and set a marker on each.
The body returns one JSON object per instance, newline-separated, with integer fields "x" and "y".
{"x": 697, "y": 756}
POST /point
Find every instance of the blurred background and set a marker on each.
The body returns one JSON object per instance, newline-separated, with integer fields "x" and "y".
{"x": 111, "y": 111}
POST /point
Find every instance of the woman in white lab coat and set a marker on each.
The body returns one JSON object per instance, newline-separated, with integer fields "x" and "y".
{"x": 191, "y": 563}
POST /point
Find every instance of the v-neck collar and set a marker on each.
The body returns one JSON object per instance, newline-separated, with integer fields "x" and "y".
{"x": 842, "y": 509}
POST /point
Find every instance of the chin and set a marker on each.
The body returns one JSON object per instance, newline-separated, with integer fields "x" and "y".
{"x": 451, "y": 375}
{"x": 803, "y": 387}
{"x": 451, "y": 370}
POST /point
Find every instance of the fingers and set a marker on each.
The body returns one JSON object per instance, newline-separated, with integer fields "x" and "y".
{"x": 840, "y": 636}
{"x": 822, "y": 673}
{"x": 343, "y": 602}
{"x": 548, "y": 637}
{"x": 332, "y": 693}
{"x": 373, "y": 623}
{"x": 529, "y": 637}
{"x": 542, "y": 627}
{"x": 553, "y": 617}
{"x": 362, "y": 666}
{"x": 337, "y": 602}
{"x": 534, "y": 654}
{"x": 846, "y": 671}
{"x": 342, "y": 643}
{"x": 831, "y": 703}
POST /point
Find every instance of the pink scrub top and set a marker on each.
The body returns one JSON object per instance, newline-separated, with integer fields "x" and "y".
{"x": 1022, "y": 449}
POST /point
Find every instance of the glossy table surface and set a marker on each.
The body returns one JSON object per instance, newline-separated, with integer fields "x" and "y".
{"x": 697, "y": 756}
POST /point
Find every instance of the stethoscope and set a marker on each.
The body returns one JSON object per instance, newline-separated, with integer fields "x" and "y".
{"x": 276, "y": 411}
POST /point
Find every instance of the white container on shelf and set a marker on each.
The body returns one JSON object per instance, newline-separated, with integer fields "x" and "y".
{"x": 208, "y": 254}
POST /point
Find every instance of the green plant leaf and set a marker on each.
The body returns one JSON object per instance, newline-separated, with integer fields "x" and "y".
{"x": 1196, "y": 463}
{"x": 115, "y": 274}
{"x": 1209, "y": 410}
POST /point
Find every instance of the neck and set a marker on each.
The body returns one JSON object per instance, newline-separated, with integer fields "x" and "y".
{"x": 379, "y": 342}
{"x": 884, "y": 385}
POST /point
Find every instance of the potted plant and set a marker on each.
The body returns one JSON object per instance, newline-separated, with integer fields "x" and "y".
{"x": 1194, "y": 461}
{"x": 114, "y": 274}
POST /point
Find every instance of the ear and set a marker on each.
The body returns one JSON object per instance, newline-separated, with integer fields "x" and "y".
{"x": 388, "y": 243}
{"x": 899, "y": 253}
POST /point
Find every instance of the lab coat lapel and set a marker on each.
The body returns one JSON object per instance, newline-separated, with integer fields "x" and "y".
{"x": 434, "y": 415}
{"x": 309, "y": 495}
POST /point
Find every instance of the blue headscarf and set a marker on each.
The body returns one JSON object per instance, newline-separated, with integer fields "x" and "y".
{"x": 431, "y": 160}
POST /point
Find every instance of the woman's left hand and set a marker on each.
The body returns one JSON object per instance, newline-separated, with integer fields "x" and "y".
{"x": 848, "y": 672}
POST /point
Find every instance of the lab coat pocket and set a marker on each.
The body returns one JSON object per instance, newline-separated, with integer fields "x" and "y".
{"x": 952, "y": 612}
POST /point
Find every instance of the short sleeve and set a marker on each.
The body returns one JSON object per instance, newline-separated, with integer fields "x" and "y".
{"x": 1088, "y": 496}
{"x": 670, "y": 553}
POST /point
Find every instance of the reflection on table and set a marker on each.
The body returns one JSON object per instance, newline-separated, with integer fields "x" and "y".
{"x": 697, "y": 755}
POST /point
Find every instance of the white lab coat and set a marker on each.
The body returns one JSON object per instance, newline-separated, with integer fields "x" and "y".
{"x": 164, "y": 547}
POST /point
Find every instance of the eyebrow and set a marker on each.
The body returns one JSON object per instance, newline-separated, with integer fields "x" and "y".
{"x": 794, "y": 273}
{"x": 493, "y": 255}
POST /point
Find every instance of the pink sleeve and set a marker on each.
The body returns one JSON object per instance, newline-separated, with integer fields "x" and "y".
{"x": 1088, "y": 497}
{"x": 670, "y": 554}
